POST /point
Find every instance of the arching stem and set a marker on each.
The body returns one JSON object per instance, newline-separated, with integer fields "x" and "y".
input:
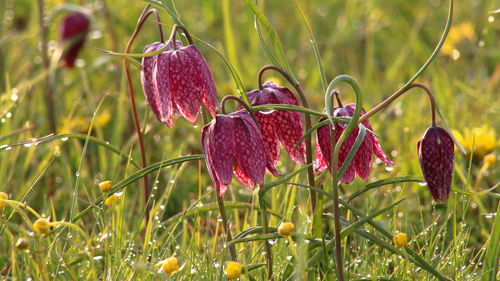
{"x": 307, "y": 124}
{"x": 142, "y": 19}
{"x": 240, "y": 101}
{"x": 171, "y": 40}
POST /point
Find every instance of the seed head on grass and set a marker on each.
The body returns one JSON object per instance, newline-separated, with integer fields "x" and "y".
{"x": 400, "y": 240}
{"x": 286, "y": 228}
{"x": 42, "y": 226}
{"x": 105, "y": 186}
{"x": 4, "y": 196}
{"x": 233, "y": 270}
{"x": 170, "y": 266}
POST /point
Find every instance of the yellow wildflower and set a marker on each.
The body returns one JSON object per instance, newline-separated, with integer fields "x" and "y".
{"x": 42, "y": 226}
{"x": 170, "y": 265}
{"x": 111, "y": 200}
{"x": 457, "y": 34}
{"x": 490, "y": 159}
{"x": 4, "y": 196}
{"x": 105, "y": 186}
{"x": 400, "y": 240}
{"x": 233, "y": 270}
{"x": 286, "y": 228}
{"x": 478, "y": 141}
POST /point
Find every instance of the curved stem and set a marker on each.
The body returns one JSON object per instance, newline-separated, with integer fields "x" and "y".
{"x": 265, "y": 230}
{"x": 171, "y": 40}
{"x": 394, "y": 96}
{"x": 157, "y": 15}
{"x": 307, "y": 124}
{"x": 240, "y": 101}
{"x": 335, "y": 156}
{"x": 142, "y": 19}
{"x": 431, "y": 99}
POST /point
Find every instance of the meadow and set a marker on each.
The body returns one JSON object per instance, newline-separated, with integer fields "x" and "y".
{"x": 64, "y": 131}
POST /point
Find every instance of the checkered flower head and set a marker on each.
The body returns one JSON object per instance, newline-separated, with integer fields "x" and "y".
{"x": 176, "y": 81}
{"x": 362, "y": 161}
{"x": 73, "y": 30}
{"x": 232, "y": 143}
{"x": 279, "y": 126}
{"x": 436, "y": 153}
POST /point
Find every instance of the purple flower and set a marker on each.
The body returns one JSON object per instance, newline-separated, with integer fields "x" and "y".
{"x": 177, "y": 81}
{"x": 435, "y": 153}
{"x": 362, "y": 161}
{"x": 233, "y": 144}
{"x": 278, "y": 125}
{"x": 74, "y": 28}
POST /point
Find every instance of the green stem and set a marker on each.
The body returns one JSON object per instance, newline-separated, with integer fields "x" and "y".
{"x": 334, "y": 158}
{"x": 265, "y": 230}
{"x": 419, "y": 72}
{"x": 225, "y": 224}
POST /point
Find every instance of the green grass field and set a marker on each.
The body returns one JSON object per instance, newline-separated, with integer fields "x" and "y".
{"x": 381, "y": 44}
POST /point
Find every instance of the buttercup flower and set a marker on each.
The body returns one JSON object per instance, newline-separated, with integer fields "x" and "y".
{"x": 286, "y": 228}
{"x": 400, "y": 240}
{"x": 436, "y": 153}
{"x": 233, "y": 270}
{"x": 362, "y": 161}
{"x": 42, "y": 226}
{"x": 279, "y": 125}
{"x": 73, "y": 30}
{"x": 105, "y": 186}
{"x": 4, "y": 196}
{"x": 111, "y": 200}
{"x": 233, "y": 143}
{"x": 177, "y": 81}
{"x": 477, "y": 141}
{"x": 170, "y": 265}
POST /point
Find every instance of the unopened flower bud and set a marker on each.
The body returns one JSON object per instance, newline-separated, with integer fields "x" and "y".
{"x": 170, "y": 266}
{"x": 111, "y": 200}
{"x": 286, "y": 228}
{"x": 4, "y": 196}
{"x": 400, "y": 240}
{"x": 233, "y": 270}
{"x": 105, "y": 186}
{"x": 42, "y": 226}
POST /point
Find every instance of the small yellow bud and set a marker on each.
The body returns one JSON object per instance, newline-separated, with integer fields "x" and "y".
{"x": 400, "y": 240}
{"x": 233, "y": 270}
{"x": 490, "y": 159}
{"x": 170, "y": 265}
{"x": 105, "y": 186}
{"x": 4, "y": 196}
{"x": 42, "y": 226}
{"x": 286, "y": 228}
{"x": 111, "y": 200}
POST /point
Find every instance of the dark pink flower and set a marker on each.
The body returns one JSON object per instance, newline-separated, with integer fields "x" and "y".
{"x": 436, "y": 153}
{"x": 362, "y": 161}
{"x": 177, "y": 81}
{"x": 233, "y": 144}
{"x": 278, "y": 125}
{"x": 73, "y": 30}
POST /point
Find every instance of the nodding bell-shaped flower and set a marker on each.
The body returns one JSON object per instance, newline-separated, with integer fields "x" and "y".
{"x": 278, "y": 125}
{"x": 233, "y": 143}
{"x": 436, "y": 153}
{"x": 177, "y": 81}
{"x": 362, "y": 161}
{"x": 73, "y": 29}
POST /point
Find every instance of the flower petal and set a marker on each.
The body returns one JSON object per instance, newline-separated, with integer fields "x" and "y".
{"x": 161, "y": 84}
{"x": 249, "y": 149}
{"x": 185, "y": 85}
{"x": 147, "y": 78}
{"x": 206, "y": 78}
{"x": 322, "y": 142}
{"x": 219, "y": 146}
{"x": 364, "y": 156}
{"x": 272, "y": 145}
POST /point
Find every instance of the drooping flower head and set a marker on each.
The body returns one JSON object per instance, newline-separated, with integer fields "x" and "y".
{"x": 73, "y": 29}
{"x": 362, "y": 161}
{"x": 279, "y": 125}
{"x": 436, "y": 153}
{"x": 232, "y": 143}
{"x": 177, "y": 81}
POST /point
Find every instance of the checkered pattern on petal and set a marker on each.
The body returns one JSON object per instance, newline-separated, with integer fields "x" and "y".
{"x": 148, "y": 64}
{"x": 436, "y": 155}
